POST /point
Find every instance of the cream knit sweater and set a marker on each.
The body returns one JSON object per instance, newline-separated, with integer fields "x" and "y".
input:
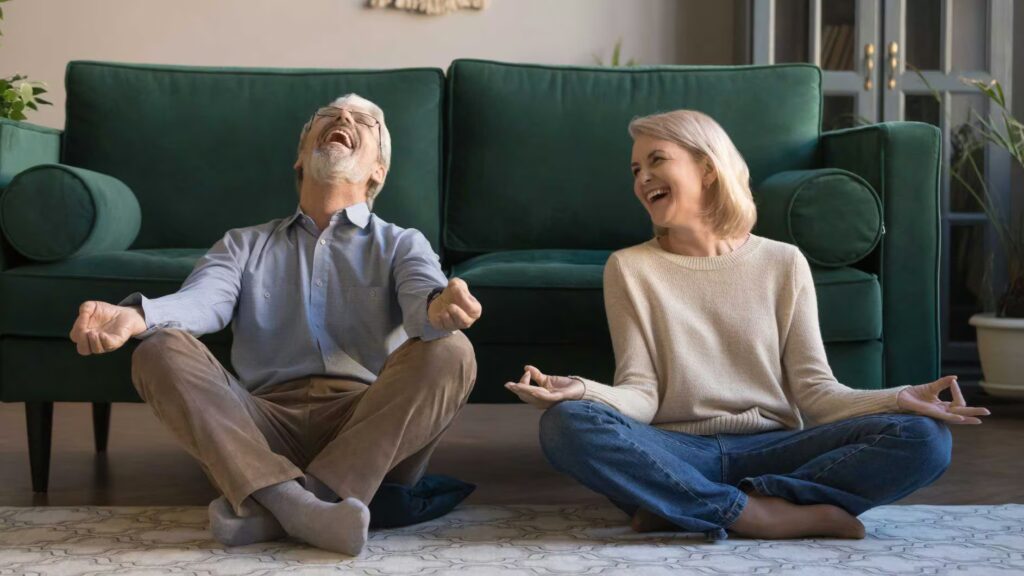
{"x": 722, "y": 344}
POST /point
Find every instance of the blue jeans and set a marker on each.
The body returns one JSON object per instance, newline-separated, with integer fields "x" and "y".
{"x": 698, "y": 482}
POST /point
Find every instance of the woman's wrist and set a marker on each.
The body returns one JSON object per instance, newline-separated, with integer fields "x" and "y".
{"x": 583, "y": 385}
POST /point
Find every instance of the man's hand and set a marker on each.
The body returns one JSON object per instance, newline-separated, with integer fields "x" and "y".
{"x": 550, "y": 390}
{"x": 103, "y": 327}
{"x": 924, "y": 399}
{"x": 455, "y": 308}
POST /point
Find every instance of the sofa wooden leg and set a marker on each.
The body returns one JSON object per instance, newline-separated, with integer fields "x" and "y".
{"x": 39, "y": 418}
{"x": 101, "y": 424}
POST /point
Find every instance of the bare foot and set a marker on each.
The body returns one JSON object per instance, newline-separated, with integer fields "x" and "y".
{"x": 645, "y": 521}
{"x": 772, "y": 518}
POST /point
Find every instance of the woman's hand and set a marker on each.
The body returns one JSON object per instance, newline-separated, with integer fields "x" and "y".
{"x": 924, "y": 399}
{"x": 550, "y": 390}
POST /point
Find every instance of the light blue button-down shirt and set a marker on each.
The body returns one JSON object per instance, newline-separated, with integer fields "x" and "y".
{"x": 306, "y": 302}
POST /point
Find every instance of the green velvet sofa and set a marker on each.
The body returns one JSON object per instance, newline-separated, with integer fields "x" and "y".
{"x": 517, "y": 174}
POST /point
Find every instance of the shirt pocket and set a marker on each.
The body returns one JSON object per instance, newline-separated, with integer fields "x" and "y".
{"x": 368, "y": 312}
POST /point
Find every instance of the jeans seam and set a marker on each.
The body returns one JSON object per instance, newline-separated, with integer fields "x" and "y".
{"x": 722, "y": 459}
{"x": 658, "y": 465}
{"x": 878, "y": 438}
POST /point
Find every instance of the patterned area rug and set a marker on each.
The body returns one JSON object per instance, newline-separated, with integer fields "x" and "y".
{"x": 511, "y": 540}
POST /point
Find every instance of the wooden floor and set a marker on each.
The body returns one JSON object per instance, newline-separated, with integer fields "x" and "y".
{"x": 493, "y": 446}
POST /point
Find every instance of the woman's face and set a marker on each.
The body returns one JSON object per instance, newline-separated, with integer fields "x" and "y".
{"x": 669, "y": 181}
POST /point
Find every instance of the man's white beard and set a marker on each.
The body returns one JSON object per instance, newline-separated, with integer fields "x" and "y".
{"x": 330, "y": 166}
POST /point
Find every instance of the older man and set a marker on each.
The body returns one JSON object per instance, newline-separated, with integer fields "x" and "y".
{"x": 349, "y": 362}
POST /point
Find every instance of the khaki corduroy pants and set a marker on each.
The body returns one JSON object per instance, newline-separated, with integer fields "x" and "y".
{"x": 349, "y": 435}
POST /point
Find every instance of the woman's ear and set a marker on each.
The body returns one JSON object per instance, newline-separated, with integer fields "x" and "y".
{"x": 709, "y": 174}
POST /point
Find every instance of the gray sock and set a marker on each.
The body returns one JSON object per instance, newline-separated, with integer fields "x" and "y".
{"x": 256, "y": 524}
{"x": 339, "y": 527}
{"x": 319, "y": 489}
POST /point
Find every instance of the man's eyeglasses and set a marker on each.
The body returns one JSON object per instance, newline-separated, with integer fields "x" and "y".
{"x": 333, "y": 113}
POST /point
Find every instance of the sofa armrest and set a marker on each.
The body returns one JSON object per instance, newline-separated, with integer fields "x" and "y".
{"x": 902, "y": 162}
{"x": 22, "y": 146}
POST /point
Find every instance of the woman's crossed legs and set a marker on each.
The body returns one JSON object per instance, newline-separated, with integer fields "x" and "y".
{"x": 780, "y": 484}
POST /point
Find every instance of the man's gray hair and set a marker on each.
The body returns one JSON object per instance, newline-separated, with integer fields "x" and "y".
{"x": 361, "y": 104}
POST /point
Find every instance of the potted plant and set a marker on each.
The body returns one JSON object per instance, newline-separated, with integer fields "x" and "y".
{"x": 1001, "y": 328}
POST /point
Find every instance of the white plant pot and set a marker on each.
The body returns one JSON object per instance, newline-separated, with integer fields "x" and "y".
{"x": 1001, "y": 347}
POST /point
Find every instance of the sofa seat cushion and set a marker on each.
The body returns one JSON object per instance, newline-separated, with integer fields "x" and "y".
{"x": 538, "y": 296}
{"x": 42, "y": 300}
{"x": 562, "y": 289}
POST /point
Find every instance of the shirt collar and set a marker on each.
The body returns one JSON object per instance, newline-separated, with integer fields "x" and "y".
{"x": 358, "y": 214}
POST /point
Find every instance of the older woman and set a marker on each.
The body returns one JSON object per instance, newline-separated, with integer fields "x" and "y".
{"x": 719, "y": 366}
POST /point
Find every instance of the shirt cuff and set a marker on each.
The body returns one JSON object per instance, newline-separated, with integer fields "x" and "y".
{"x": 428, "y": 332}
{"x": 151, "y": 313}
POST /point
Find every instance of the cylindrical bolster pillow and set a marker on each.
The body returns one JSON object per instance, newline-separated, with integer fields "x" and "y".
{"x": 51, "y": 212}
{"x": 832, "y": 215}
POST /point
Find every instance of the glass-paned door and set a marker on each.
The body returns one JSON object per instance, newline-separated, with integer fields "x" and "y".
{"x": 929, "y": 47}
{"x": 840, "y": 36}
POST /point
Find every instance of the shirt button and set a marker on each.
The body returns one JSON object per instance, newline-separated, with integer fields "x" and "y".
{"x": 266, "y": 294}
{"x": 319, "y": 282}
{"x": 322, "y": 241}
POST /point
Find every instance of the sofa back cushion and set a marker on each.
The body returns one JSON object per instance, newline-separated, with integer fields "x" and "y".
{"x": 538, "y": 156}
{"x": 209, "y": 149}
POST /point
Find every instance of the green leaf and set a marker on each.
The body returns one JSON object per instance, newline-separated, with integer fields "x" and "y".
{"x": 36, "y": 90}
{"x": 25, "y": 90}
{"x": 46, "y": 102}
{"x": 999, "y": 90}
{"x": 32, "y": 105}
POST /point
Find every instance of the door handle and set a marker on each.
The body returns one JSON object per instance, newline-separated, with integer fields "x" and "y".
{"x": 894, "y": 62}
{"x": 869, "y": 66}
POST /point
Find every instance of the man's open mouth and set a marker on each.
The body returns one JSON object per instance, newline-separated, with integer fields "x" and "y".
{"x": 343, "y": 137}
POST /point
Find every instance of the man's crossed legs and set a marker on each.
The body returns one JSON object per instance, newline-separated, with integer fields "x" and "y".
{"x": 348, "y": 437}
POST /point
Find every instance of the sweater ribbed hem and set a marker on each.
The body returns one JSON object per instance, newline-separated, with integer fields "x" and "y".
{"x": 749, "y": 422}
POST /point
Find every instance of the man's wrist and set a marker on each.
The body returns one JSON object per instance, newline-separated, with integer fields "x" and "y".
{"x": 433, "y": 296}
{"x": 139, "y": 323}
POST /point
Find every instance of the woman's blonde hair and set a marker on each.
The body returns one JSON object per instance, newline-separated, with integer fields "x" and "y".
{"x": 728, "y": 203}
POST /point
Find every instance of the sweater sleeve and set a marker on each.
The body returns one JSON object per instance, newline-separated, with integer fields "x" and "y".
{"x": 635, "y": 393}
{"x": 817, "y": 393}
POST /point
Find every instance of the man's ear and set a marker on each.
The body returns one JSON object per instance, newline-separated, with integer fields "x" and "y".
{"x": 378, "y": 173}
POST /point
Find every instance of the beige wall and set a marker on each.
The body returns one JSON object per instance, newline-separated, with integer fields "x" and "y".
{"x": 41, "y": 36}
